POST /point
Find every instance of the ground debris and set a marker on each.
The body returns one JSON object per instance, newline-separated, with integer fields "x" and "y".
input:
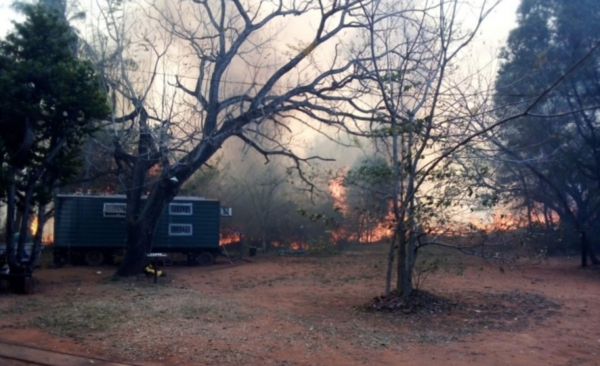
{"x": 468, "y": 312}
{"x": 418, "y": 302}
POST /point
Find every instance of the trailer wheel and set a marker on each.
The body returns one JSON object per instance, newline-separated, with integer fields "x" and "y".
{"x": 206, "y": 259}
{"x": 94, "y": 258}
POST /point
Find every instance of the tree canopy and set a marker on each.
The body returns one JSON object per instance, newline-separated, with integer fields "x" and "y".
{"x": 552, "y": 163}
{"x": 49, "y": 100}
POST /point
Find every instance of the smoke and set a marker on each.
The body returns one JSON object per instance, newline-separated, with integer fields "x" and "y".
{"x": 236, "y": 174}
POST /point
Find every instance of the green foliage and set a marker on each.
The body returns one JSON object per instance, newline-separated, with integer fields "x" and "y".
{"x": 563, "y": 169}
{"x": 48, "y": 98}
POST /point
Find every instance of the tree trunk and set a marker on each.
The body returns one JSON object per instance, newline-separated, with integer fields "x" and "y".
{"x": 587, "y": 250}
{"x": 18, "y": 218}
{"x": 10, "y": 221}
{"x": 140, "y": 231}
{"x": 547, "y": 218}
{"x": 26, "y": 213}
{"x": 412, "y": 240}
{"x": 390, "y": 266}
{"x": 139, "y": 241}
{"x": 529, "y": 216}
{"x": 37, "y": 240}
{"x": 403, "y": 285}
{"x": 411, "y": 258}
{"x": 87, "y": 165}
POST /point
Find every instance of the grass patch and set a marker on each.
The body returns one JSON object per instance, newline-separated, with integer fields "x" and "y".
{"x": 195, "y": 311}
{"x": 21, "y": 307}
{"x": 83, "y": 317}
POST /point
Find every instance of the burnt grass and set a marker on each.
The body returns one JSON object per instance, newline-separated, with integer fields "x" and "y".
{"x": 466, "y": 313}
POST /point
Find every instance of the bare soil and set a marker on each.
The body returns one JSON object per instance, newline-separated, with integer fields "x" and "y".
{"x": 314, "y": 311}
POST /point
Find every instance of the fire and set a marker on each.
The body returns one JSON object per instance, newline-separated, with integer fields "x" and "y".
{"x": 371, "y": 231}
{"x": 229, "y": 238}
{"x": 295, "y": 245}
{"x": 34, "y": 225}
{"x": 504, "y": 220}
{"x": 338, "y": 192}
{"x": 298, "y": 245}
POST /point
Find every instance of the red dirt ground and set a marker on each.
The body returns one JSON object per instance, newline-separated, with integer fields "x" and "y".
{"x": 310, "y": 311}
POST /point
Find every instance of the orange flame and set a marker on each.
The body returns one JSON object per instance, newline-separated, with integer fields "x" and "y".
{"x": 230, "y": 238}
{"x": 338, "y": 193}
{"x": 372, "y": 232}
{"x": 47, "y": 238}
{"x": 34, "y": 225}
{"x": 298, "y": 245}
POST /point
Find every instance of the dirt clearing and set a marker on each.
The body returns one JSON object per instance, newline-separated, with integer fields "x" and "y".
{"x": 311, "y": 311}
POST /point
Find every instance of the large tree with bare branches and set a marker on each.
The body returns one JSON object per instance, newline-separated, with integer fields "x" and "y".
{"x": 194, "y": 74}
{"x": 215, "y": 70}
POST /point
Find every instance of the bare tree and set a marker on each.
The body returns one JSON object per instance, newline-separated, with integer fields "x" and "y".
{"x": 178, "y": 129}
{"x": 425, "y": 115}
{"x": 413, "y": 46}
{"x": 263, "y": 193}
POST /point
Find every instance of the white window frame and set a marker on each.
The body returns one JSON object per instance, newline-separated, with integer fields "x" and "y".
{"x": 190, "y": 233}
{"x": 181, "y": 213}
{"x": 117, "y": 214}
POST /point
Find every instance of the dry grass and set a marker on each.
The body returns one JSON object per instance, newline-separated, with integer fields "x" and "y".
{"x": 243, "y": 315}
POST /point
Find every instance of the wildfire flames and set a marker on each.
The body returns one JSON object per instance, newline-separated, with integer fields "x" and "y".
{"x": 502, "y": 220}
{"x": 229, "y": 238}
{"x": 364, "y": 228}
{"x": 295, "y": 245}
{"x": 33, "y": 227}
{"x": 370, "y": 232}
{"x": 338, "y": 192}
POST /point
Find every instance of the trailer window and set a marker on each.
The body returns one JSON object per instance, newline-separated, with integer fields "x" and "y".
{"x": 180, "y": 229}
{"x": 115, "y": 209}
{"x": 180, "y": 209}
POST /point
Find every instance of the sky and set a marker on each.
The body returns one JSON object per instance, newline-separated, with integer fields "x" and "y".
{"x": 494, "y": 30}
{"x": 491, "y": 37}
{"x": 6, "y": 16}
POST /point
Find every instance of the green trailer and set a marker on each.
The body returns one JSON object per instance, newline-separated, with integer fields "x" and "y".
{"x": 90, "y": 229}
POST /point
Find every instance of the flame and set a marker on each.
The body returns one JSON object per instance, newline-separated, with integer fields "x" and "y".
{"x": 505, "y": 220}
{"x": 229, "y": 238}
{"x": 372, "y": 232}
{"x": 298, "y": 245}
{"x": 338, "y": 193}
{"x": 295, "y": 245}
{"x": 34, "y": 225}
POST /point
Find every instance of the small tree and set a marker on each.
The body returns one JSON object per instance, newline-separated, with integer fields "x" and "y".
{"x": 48, "y": 102}
{"x": 263, "y": 192}
{"x": 423, "y": 117}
